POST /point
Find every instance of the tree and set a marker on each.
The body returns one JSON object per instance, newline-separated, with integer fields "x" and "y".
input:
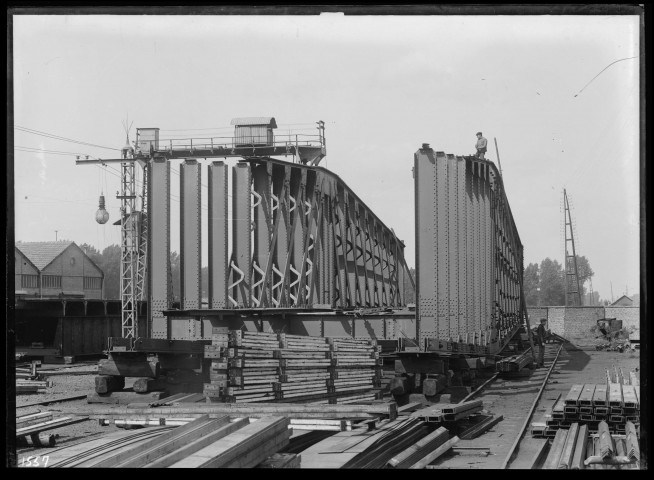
{"x": 552, "y": 287}
{"x": 531, "y": 280}
{"x": 584, "y": 272}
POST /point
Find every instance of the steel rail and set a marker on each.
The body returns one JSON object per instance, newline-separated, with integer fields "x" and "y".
{"x": 479, "y": 388}
{"x": 507, "y": 460}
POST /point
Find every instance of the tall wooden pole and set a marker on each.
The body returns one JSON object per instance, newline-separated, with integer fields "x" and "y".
{"x": 498, "y": 156}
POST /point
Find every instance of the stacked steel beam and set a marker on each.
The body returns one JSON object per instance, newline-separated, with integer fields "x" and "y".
{"x": 448, "y": 412}
{"x": 590, "y": 404}
{"x": 577, "y": 449}
{"x": 514, "y": 363}
{"x": 265, "y": 367}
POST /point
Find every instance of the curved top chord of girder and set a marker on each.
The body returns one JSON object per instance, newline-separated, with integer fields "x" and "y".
{"x": 326, "y": 172}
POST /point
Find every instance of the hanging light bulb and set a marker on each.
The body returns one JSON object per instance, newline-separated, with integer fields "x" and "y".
{"x": 101, "y": 216}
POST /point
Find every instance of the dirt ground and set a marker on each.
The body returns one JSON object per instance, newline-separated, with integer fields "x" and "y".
{"x": 67, "y": 382}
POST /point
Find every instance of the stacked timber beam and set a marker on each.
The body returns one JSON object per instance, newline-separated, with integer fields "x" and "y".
{"x": 590, "y": 404}
{"x": 577, "y": 449}
{"x": 275, "y": 367}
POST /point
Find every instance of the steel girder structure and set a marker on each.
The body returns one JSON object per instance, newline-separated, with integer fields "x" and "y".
{"x": 468, "y": 255}
{"x": 300, "y": 239}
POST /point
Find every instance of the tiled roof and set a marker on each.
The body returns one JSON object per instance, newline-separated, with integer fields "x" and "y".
{"x": 42, "y": 253}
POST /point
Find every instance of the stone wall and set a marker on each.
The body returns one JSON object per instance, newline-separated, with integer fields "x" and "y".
{"x": 576, "y": 323}
{"x": 630, "y": 317}
{"x": 580, "y": 321}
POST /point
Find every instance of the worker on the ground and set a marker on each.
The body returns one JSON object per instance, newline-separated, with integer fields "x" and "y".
{"x": 480, "y": 146}
{"x": 540, "y": 341}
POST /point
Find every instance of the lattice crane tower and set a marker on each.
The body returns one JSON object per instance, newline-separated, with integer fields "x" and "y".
{"x": 572, "y": 290}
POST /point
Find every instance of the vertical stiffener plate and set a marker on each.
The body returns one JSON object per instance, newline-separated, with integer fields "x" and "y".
{"x": 240, "y": 271}
{"x": 218, "y": 244}
{"x": 159, "y": 251}
{"x": 191, "y": 234}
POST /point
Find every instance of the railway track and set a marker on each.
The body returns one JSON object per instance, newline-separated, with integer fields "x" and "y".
{"x": 514, "y": 399}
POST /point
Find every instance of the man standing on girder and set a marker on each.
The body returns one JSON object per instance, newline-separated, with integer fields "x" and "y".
{"x": 481, "y": 146}
{"x": 540, "y": 341}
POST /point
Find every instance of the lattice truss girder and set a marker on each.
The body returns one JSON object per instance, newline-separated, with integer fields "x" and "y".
{"x": 468, "y": 252}
{"x": 302, "y": 238}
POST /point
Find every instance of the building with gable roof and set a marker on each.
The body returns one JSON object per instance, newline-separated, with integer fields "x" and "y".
{"x": 56, "y": 269}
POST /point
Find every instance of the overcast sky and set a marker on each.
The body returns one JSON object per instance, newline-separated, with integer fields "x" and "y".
{"x": 383, "y": 85}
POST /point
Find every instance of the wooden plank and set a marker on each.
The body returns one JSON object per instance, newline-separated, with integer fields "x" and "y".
{"x": 427, "y": 459}
{"x": 49, "y": 425}
{"x": 241, "y": 442}
{"x": 198, "y": 445}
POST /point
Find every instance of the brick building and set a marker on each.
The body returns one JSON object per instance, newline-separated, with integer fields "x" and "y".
{"x": 56, "y": 269}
